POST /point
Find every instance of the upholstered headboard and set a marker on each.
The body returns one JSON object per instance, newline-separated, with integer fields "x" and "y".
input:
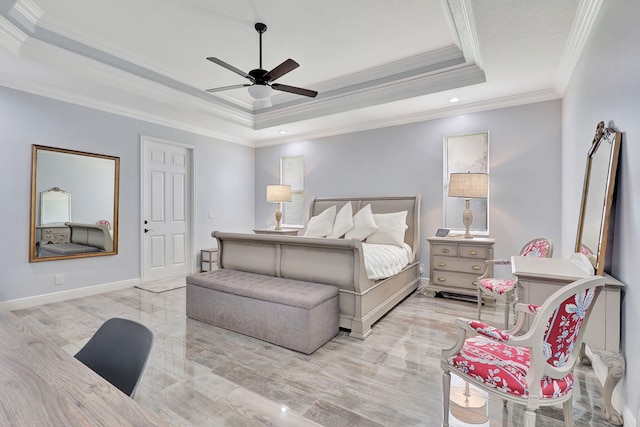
{"x": 385, "y": 204}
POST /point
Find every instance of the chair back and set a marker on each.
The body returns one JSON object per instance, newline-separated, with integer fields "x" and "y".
{"x": 118, "y": 352}
{"x": 540, "y": 247}
{"x": 559, "y": 326}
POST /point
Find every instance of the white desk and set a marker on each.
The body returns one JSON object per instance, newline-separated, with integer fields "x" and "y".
{"x": 538, "y": 278}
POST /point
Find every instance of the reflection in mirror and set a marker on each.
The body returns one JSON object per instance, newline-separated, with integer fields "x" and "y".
{"x": 597, "y": 197}
{"x": 55, "y": 206}
{"x": 93, "y": 180}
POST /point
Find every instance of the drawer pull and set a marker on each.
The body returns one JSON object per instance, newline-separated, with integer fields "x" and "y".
{"x": 441, "y": 279}
{"x": 476, "y": 268}
{"x": 473, "y": 252}
{"x": 444, "y": 251}
{"x": 441, "y": 264}
{"x": 474, "y": 283}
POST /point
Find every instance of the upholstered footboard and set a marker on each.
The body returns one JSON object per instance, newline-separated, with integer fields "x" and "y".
{"x": 336, "y": 262}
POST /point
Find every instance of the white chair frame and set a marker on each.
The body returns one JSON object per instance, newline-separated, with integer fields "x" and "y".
{"x": 533, "y": 339}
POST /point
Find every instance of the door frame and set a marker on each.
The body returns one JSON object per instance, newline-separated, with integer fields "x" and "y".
{"x": 190, "y": 257}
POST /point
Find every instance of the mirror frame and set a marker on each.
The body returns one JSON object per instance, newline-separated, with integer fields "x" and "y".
{"x": 605, "y": 138}
{"x": 35, "y": 200}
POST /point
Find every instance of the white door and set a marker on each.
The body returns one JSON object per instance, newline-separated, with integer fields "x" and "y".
{"x": 166, "y": 210}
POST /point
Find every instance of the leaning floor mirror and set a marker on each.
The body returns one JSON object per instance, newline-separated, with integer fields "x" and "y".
{"x": 74, "y": 204}
{"x": 596, "y": 211}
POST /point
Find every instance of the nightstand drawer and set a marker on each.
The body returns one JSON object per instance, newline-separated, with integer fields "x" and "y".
{"x": 461, "y": 265}
{"x": 474, "y": 252}
{"x": 445, "y": 250}
{"x": 455, "y": 280}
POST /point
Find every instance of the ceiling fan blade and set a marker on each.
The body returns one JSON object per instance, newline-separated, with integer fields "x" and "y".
{"x": 281, "y": 70}
{"x": 230, "y": 68}
{"x": 220, "y": 89}
{"x": 296, "y": 90}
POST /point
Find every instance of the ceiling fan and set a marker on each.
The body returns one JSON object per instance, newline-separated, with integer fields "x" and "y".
{"x": 261, "y": 86}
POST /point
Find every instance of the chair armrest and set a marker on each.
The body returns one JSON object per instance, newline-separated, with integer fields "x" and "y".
{"x": 493, "y": 262}
{"x": 522, "y": 311}
{"x": 488, "y": 331}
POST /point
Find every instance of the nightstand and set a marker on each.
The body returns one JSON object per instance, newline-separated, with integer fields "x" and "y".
{"x": 455, "y": 264}
{"x": 283, "y": 232}
{"x": 209, "y": 259}
{"x": 55, "y": 234}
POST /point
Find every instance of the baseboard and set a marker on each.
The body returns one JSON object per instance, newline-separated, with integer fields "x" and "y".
{"x": 18, "y": 304}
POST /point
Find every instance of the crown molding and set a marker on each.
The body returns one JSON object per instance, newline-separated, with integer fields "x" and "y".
{"x": 474, "y": 107}
{"x": 29, "y": 10}
{"x": 367, "y": 95}
{"x": 459, "y": 17}
{"x": 11, "y": 37}
{"x": 580, "y": 30}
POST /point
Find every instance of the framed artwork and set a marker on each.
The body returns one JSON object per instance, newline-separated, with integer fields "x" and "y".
{"x": 465, "y": 153}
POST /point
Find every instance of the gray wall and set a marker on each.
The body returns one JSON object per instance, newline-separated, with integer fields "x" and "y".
{"x": 606, "y": 86}
{"x": 224, "y": 185}
{"x": 524, "y": 153}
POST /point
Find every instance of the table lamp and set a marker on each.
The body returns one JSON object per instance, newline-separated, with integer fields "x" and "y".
{"x": 278, "y": 194}
{"x": 468, "y": 186}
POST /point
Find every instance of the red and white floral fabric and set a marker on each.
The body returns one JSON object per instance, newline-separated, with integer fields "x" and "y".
{"x": 538, "y": 248}
{"x": 498, "y": 286}
{"x": 505, "y": 367}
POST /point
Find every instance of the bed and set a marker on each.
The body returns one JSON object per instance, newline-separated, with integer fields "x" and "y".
{"x": 84, "y": 238}
{"x": 332, "y": 261}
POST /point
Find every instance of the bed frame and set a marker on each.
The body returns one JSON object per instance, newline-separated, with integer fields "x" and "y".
{"x": 337, "y": 262}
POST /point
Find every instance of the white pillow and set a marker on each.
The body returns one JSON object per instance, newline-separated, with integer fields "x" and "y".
{"x": 321, "y": 225}
{"x": 343, "y": 222}
{"x": 363, "y": 225}
{"x": 391, "y": 228}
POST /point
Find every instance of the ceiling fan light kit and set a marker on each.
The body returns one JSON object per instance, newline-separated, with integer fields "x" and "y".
{"x": 262, "y": 85}
{"x": 260, "y": 91}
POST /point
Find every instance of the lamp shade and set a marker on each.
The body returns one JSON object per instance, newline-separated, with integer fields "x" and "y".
{"x": 260, "y": 91}
{"x": 469, "y": 185}
{"x": 278, "y": 193}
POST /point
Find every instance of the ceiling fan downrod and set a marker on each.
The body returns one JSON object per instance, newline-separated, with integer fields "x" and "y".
{"x": 260, "y": 28}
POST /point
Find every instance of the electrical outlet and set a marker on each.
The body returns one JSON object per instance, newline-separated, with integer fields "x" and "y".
{"x": 59, "y": 279}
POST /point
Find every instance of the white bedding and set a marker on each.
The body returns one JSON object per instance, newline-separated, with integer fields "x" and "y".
{"x": 382, "y": 261}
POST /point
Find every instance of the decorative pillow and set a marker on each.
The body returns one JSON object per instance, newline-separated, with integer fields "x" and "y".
{"x": 391, "y": 228}
{"x": 363, "y": 225}
{"x": 343, "y": 222}
{"x": 321, "y": 225}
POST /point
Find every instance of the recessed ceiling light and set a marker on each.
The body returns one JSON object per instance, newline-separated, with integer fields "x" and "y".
{"x": 454, "y": 99}
{"x": 283, "y": 132}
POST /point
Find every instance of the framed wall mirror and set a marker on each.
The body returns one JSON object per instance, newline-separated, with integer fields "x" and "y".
{"x": 74, "y": 204}
{"x": 597, "y": 197}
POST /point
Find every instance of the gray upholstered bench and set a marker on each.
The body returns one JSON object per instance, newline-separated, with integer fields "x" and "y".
{"x": 298, "y": 315}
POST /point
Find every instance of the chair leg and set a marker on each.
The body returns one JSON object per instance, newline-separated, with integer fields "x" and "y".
{"x": 567, "y": 409}
{"x": 446, "y": 392}
{"x": 479, "y": 301}
{"x": 507, "y": 308}
{"x": 529, "y": 418}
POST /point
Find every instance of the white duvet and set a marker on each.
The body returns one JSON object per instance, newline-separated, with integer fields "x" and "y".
{"x": 382, "y": 261}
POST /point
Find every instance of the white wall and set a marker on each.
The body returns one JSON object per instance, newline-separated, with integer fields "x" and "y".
{"x": 224, "y": 185}
{"x": 606, "y": 86}
{"x": 524, "y": 151}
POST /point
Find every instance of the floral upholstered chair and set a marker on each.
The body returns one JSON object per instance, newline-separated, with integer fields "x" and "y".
{"x": 505, "y": 289}
{"x": 533, "y": 369}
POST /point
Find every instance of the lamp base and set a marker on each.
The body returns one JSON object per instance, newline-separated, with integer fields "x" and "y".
{"x": 467, "y": 218}
{"x": 278, "y": 217}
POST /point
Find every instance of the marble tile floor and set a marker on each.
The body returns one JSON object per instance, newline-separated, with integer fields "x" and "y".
{"x": 200, "y": 375}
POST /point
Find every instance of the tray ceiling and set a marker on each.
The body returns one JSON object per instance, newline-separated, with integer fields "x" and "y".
{"x": 374, "y": 64}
